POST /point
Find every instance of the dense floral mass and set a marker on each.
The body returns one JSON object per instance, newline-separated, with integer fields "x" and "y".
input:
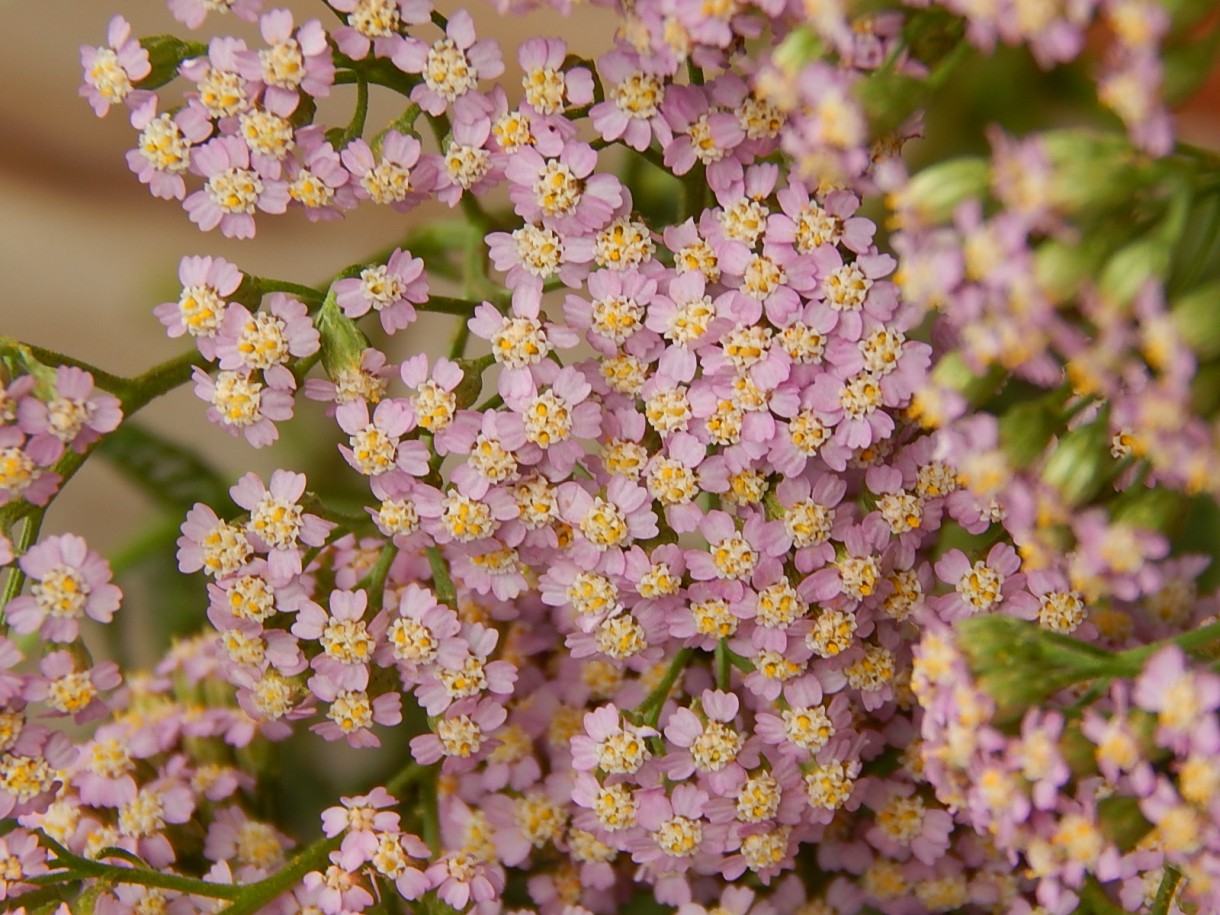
{"x": 786, "y": 529}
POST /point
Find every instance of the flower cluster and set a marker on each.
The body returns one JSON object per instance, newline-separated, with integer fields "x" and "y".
{"x": 1122, "y": 788}
{"x": 662, "y": 581}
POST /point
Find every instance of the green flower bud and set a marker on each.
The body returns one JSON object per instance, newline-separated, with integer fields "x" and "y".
{"x": 1132, "y": 266}
{"x": 1060, "y": 268}
{"x": 1194, "y": 315}
{"x": 801, "y": 46}
{"x": 343, "y": 343}
{"x": 933, "y": 194}
{"x": 1022, "y": 665}
{"x": 953, "y": 373}
{"x": 166, "y": 54}
{"x": 1152, "y": 509}
{"x": 1081, "y": 463}
{"x": 1027, "y": 428}
{"x": 471, "y": 385}
{"x": 1093, "y": 171}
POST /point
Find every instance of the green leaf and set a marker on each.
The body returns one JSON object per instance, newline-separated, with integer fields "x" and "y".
{"x": 166, "y": 53}
{"x": 172, "y": 474}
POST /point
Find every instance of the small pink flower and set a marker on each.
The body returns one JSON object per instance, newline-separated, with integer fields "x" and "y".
{"x": 294, "y": 63}
{"x": 200, "y": 309}
{"x": 112, "y": 70}
{"x": 452, "y": 66}
{"x": 76, "y": 417}
{"x": 233, "y": 190}
{"x": 392, "y": 290}
{"x": 68, "y": 581}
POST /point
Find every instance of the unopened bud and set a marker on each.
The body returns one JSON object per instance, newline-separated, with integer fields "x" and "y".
{"x": 165, "y": 55}
{"x": 343, "y": 343}
{"x": 1194, "y": 315}
{"x": 1081, "y": 463}
{"x": 932, "y": 195}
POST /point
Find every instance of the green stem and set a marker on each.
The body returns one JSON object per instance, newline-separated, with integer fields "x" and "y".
{"x": 451, "y": 306}
{"x": 16, "y": 577}
{"x": 374, "y": 581}
{"x": 356, "y": 126}
{"x": 408, "y": 776}
{"x": 651, "y": 707}
{"x": 1131, "y": 662}
{"x": 1165, "y": 893}
{"x": 723, "y": 665}
{"x": 103, "y": 379}
{"x": 134, "y": 394}
{"x": 76, "y": 867}
{"x": 446, "y": 593}
{"x": 254, "y": 897}
{"x": 263, "y": 285}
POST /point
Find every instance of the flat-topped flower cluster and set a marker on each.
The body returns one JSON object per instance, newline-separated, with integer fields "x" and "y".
{"x": 641, "y": 568}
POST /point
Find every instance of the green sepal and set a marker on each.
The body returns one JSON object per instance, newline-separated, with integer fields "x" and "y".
{"x": 166, "y": 54}
{"x": 1081, "y": 463}
{"x": 933, "y": 194}
{"x": 1027, "y": 428}
{"x": 343, "y": 343}
{"x": 1197, "y": 318}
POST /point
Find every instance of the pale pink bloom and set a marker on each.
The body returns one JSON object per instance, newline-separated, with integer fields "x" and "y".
{"x": 68, "y": 581}
{"x": 112, "y": 70}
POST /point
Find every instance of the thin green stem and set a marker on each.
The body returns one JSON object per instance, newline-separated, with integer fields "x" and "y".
{"x": 16, "y": 577}
{"x": 450, "y": 306}
{"x": 254, "y": 897}
{"x": 1166, "y": 892}
{"x": 103, "y": 379}
{"x": 723, "y": 665}
{"x": 374, "y": 581}
{"x": 408, "y": 776}
{"x": 76, "y": 867}
{"x": 1131, "y": 662}
{"x": 355, "y": 127}
{"x": 263, "y": 285}
{"x": 446, "y": 593}
{"x": 650, "y": 708}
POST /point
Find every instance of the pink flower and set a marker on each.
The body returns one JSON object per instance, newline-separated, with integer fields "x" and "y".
{"x": 68, "y": 691}
{"x": 192, "y": 12}
{"x": 242, "y": 404}
{"x": 271, "y": 336}
{"x": 69, "y": 581}
{"x": 1182, "y": 696}
{"x": 452, "y": 66}
{"x": 379, "y": 34}
{"x": 462, "y": 737}
{"x": 362, "y": 819}
{"x": 347, "y": 645}
{"x": 277, "y": 524}
{"x": 23, "y": 857}
{"x": 316, "y": 177}
{"x": 401, "y": 178}
{"x": 632, "y": 107}
{"x": 200, "y": 309}
{"x": 77, "y": 416}
{"x": 292, "y": 64}
{"x": 233, "y": 190}
{"x": 391, "y": 290}
{"x": 556, "y": 186}
{"x": 112, "y": 70}
{"x": 163, "y": 153}
{"x": 985, "y": 586}
{"x": 374, "y": 445}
